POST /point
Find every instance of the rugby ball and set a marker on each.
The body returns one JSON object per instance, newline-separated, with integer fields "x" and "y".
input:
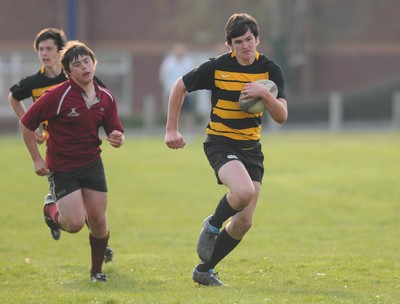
{"x": 256, "y": 105}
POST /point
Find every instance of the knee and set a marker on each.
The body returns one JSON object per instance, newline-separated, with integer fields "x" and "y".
{"x": 73, "y": 226}
{"x": 244, "y": 196}
{"x": 98, "y": 227}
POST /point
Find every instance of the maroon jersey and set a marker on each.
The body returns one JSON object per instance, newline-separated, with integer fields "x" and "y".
{"x": 73, "y": 124}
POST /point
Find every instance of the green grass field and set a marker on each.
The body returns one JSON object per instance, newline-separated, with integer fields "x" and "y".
{"x": 326, "y": 230}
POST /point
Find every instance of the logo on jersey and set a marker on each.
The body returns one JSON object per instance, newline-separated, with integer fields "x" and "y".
{"x": 73, "y": 113}
{"x": 231, "y": 156}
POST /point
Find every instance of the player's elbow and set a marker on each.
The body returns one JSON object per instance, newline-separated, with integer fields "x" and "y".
{"x": 280, "y": 117}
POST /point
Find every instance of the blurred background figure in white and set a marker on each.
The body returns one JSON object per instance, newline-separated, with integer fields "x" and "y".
{"x": 175, "y": 64}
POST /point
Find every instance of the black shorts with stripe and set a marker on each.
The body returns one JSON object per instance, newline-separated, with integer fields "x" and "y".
{"x": 91, "y": 176}
{"x": 220, "y": 153}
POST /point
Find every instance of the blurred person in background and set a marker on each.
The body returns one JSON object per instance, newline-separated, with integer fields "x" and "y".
{"x": 74, "y": 111}
{"x": 47, "y": 44}
{"x": 175, "y": 64}
{"x": 232, "y": 145}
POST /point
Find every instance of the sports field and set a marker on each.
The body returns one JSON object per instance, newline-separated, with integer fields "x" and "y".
{"x": 327, "y": 228}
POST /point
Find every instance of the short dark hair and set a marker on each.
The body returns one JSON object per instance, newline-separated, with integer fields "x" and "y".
{"x": 58, "y": 35}
{"x": 72, "y": 50}
{"x": 238, "y": 24}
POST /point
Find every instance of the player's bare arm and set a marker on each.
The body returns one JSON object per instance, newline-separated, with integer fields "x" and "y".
{"x": 17, "y": 106}
{"x": 173, "y": 138}
{"x": 19, "y": 110}
{"x": 40, "y": 166}
{"x": 277, "y": 108}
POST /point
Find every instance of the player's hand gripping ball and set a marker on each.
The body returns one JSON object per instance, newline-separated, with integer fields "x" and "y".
{"x": 256, "y": 105}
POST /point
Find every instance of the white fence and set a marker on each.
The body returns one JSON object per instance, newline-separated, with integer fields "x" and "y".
{"x": 336, "y": 112}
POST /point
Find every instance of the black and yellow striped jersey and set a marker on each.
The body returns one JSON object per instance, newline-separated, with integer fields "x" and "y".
{"x": 35, "y": 85}
{"x": 225, "y": 78}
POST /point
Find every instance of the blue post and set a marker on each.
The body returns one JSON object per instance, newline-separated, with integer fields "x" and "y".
{"x": 71, "y": 11}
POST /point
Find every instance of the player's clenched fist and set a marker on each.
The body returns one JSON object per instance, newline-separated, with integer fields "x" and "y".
{"x": 174, "y": 140}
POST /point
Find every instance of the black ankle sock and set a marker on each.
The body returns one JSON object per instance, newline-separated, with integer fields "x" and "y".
{"x": 222, "y": 213}
{"x": 203, "y": 267}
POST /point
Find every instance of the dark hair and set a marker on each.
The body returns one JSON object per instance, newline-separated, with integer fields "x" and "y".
{"x": 72, "y": 50}
{"x": 238, "y": 25}
{"x": 59, "y": 37}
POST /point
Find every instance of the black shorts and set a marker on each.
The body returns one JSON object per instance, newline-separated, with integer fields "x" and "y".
{"x": 91, "y": 176}
{"x": 218, "y": 154}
